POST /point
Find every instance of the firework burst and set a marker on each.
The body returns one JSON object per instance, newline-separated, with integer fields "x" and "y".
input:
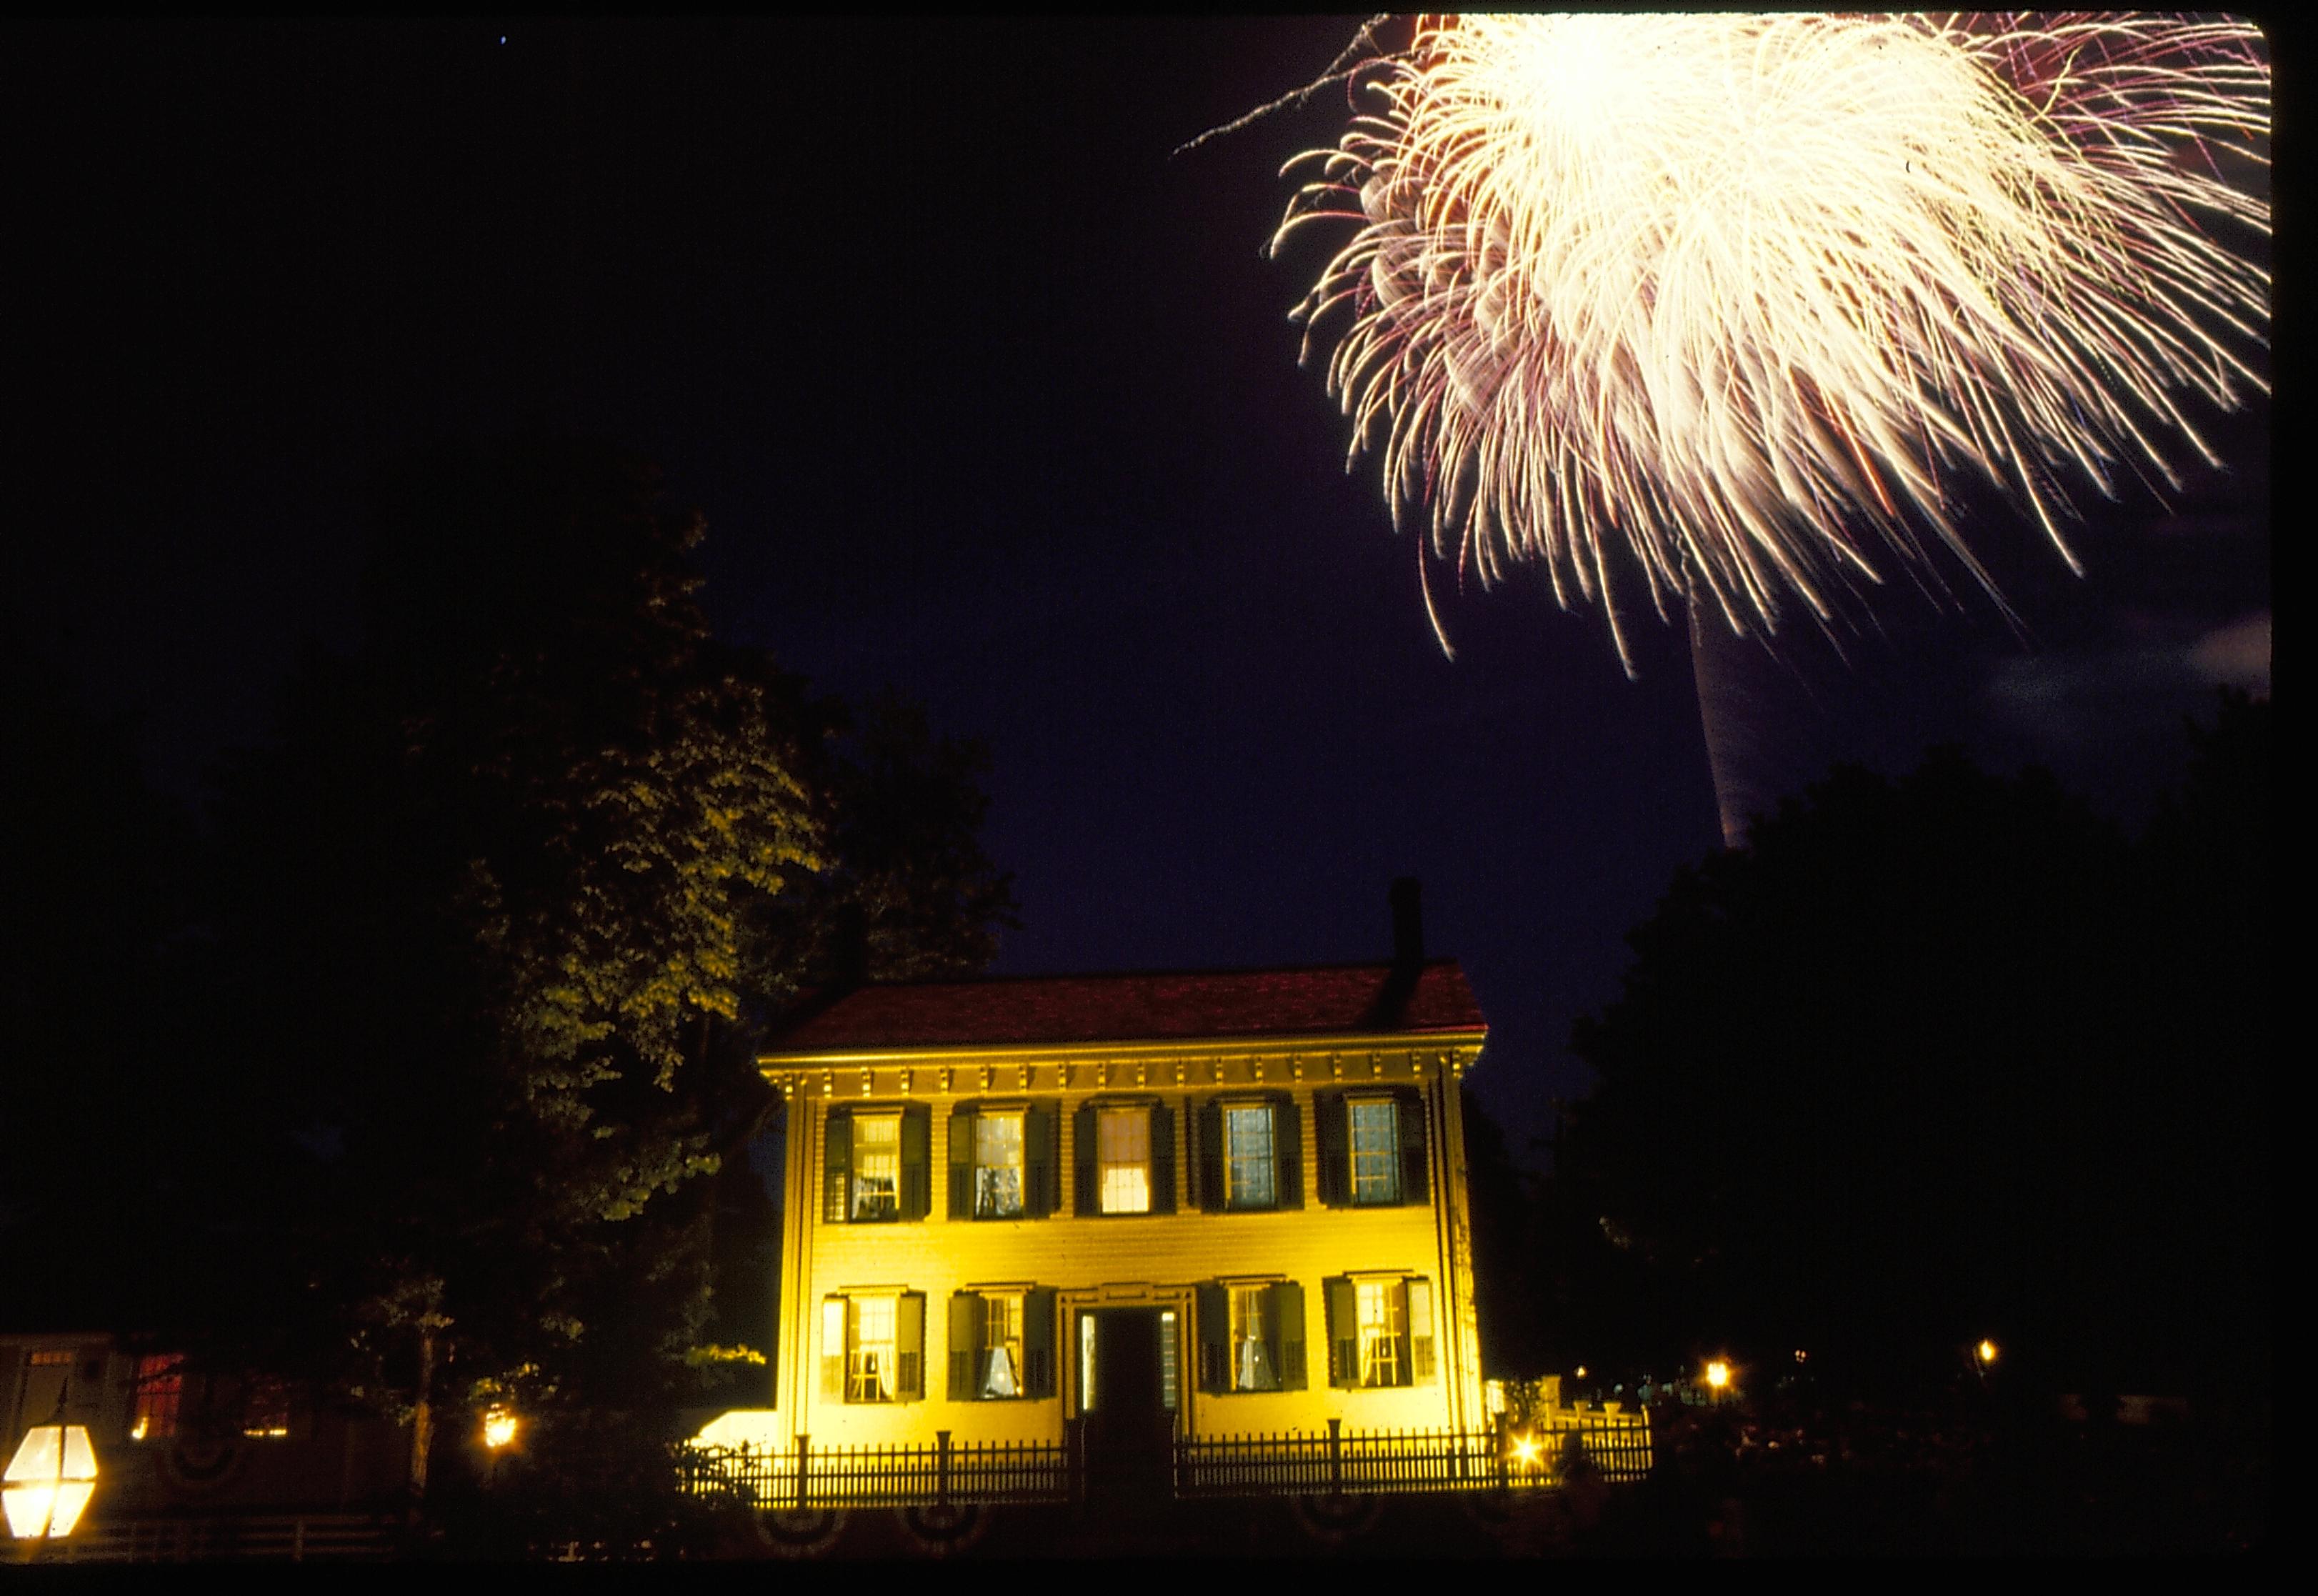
{"x": 1731, "y": 299}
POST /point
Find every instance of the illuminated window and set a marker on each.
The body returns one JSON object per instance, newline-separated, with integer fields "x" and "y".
{"x": 160, "y": 1393}
{"x": 1251, "y": 1347}
{"x": 1376, "y": 1152}
{"x": 872, "y": 1346}
{"x": 876, "y": 1165}
{"x": 1381, "y": 1331}
{"x": 1248, "y": 1168}
{"x": 998, "y": 1166}
{"x": 1123, "y": 1159}
{"x": 1252, "y": 1336}
{"x": 266, "y": 1407}
{"x": 1373, "y": 1148}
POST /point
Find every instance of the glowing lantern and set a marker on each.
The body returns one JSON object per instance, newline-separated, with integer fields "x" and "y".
{"x": 498, "y": 1428}
{"x": 1717, "y": 1375}
{"x": 49, "y": 1480}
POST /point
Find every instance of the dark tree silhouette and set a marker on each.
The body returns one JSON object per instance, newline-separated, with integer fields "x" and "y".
{"x": 512, "y": 890}
{"x": 1949, "y": 1056}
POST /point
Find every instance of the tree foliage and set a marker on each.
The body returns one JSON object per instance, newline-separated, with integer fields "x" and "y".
{"x": 1950, "y": 1056}
{"x": 512, "y": 889}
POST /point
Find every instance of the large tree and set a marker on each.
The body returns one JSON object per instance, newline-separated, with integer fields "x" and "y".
{"x": 1948, "y": 1056}
{"x": 513, "y": 886}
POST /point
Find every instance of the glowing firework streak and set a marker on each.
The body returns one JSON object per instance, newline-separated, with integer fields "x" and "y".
{"x": 1735, "y": 294}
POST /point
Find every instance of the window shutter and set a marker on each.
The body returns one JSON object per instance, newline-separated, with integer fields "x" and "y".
{"x": 1038, "y": 1163}
{"x": 1162, "y": 1159}
{"x": 965, "y": 1344}
{"x": 1288, "y": 1152}
{"x": 961, "y": 1163}
{"x": 1211, "y": 1157}
{"x": 917, "y": 1156}
{"x": 1082, "y": 1135}
{"x": 1344, "y": 1334}
{"x": 837, "y": 1166}
{"x": 1038, "y": 1343}
{"x": 910, "y": 1346}
{"x": 833, "y": 1349}
{"x": 1287, "y": 1310}
{"x": 1420, "y": 1332}
{"x": 1335, "y": 1139}
{"x": 1215, "y": 1339}
{"x": 1408, "y": 1109}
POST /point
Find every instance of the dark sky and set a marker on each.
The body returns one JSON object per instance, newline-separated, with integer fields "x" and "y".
{"x": 984, "y": 395}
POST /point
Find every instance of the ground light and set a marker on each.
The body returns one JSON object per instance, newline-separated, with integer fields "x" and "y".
{"x": 50, "y": 1480}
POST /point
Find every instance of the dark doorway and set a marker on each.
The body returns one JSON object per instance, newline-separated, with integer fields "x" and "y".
{"x": 1127, "y": 1392}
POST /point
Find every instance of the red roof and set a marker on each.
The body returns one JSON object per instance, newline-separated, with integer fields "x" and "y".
{"x": 1036, "y": 1010}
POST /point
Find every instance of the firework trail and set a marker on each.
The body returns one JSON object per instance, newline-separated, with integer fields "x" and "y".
{"x": 1727, "y": 301}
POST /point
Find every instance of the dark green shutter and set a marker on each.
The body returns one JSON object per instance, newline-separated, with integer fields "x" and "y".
{"x": 965, "y": 1346}
{"x": 1288, "y": 1333}
{"x": 1287, "y": 1150}
{"x": 1162, "y": 1159}
{"x": 1422, "y": 1333}
{"x": 1409, "y": 1109}
{"x": 1083, "y": 1135}
{"x": 837, "y": 1166}
{"x": 1215, "y": 1339}
{"x": 836, "y": 1318}
{"x": 1344, "y": 1334}
{"x": 1336, "y": 1152}
{"x": 1039, "y": 1162}
{"x": 961, "y": 1163}
{"x": 917, "y": 1158}
{"x": 1038, "y": 1343}
{"x": 910, "y": 1346}
{"x": 1211, "y": 1157}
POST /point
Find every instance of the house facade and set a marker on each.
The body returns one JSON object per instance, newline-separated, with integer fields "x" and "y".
{"x": 1128, "y": 1207}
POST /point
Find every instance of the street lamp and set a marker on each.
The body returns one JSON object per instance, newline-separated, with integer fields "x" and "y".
{"x": 50, "y": 1480}
{"x": 1718, "y": 1376}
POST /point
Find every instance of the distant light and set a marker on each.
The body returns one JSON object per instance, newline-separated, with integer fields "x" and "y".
{"x": 1525, "y": 1451}
{"x": 1802, "y": 1356}
{"x": 1985, "y": 1351}
{"x": 1581, "y": 1370}
{"x": 49, "y": 1480}
{"x": 1718, "y": 1374}
{"x": 498, "y": 1428}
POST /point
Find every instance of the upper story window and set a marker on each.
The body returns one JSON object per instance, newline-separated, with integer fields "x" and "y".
{"x": 1252, "y": 1336}
{"x": 1376, "y": 1151}
{"x": 1001, "y": 1161}
{"x": 1250, "y": 1154}
{"x": 266, "y": 1407}
{"x": 1373, "y": 1148}
{"x": 872, "y": 1346}
{"x": 1381, "y": 1331}
{"x": 875, "y": 1165}
{"x": 1248, "y": 1168}
{"x": 1125, "y": 1158}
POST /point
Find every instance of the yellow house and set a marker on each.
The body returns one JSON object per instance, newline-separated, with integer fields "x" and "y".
{"x": 1196, "y": 1205}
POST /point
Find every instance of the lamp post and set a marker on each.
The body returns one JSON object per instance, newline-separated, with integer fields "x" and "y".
{"x": 50, "y": 1478}
{"x": 499, "y": 1434}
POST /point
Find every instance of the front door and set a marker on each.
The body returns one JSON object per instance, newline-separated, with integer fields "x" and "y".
{"x": 1127, "y": 1393}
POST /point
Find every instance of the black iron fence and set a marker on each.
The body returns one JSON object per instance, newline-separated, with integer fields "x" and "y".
{"x": 1331, "y": 1463}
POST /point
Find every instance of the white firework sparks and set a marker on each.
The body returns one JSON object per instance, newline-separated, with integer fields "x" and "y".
{"x": 1737, "y": 296}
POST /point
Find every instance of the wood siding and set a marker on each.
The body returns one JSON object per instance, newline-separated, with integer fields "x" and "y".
{"x": 1158, "y": 1260}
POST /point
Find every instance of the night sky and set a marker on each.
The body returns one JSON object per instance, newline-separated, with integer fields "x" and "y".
{"x": 984, "y": 394}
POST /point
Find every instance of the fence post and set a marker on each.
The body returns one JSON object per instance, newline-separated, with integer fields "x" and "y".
{"x": 804, "y": 1449}
{"x": 1335, "y": 1457}
{"x": 1505, "y": 1463}
{"x": 941, "y": 1469}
